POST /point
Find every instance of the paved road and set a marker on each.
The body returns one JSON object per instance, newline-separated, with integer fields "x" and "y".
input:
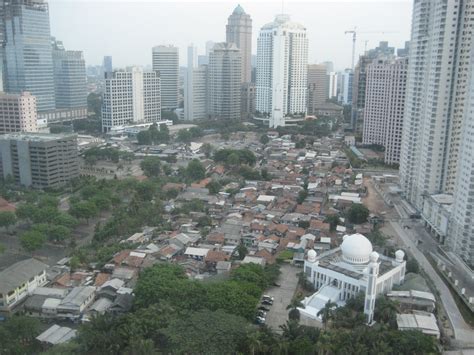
{"x": 282, "y": 295}
{"x": 462, "y": 331}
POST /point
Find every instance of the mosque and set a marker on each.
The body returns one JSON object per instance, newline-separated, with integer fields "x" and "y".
{"x": 343, "y": 272}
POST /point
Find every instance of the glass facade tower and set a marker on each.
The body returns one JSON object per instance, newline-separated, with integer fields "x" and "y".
{"x": 28, "y": 60}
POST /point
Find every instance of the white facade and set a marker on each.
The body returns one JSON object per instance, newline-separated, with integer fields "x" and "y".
{"x": 195, "y": 88}
{"x": 18, "y": 113}
{"x": 461, "y": 230}
{"x": 166, "y": 62}
{"x": 384, "y": 105}
{"x": 131, "y": 97}
{"x": 282, "y": 59}
{"x": 332, "y": 84}
{"x": 437, "y": 89}
{"x": 341, "y": 273}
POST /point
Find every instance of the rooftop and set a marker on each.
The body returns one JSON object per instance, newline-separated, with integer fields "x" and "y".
{"x": 35, "y": 137}
{"x": 19, "y": 273}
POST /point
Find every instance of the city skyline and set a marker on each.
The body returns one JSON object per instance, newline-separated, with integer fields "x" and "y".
{"x": 160, "y": 24}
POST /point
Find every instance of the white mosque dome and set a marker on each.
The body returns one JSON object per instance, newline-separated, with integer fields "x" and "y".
{"x": 356, "y": 249}
{"x": 312, "y": 255}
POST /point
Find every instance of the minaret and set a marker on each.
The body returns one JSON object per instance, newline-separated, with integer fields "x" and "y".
{"x": 371, "y": 291}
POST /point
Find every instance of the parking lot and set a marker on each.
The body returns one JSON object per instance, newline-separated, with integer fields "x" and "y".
{"x": 282, "y": 295}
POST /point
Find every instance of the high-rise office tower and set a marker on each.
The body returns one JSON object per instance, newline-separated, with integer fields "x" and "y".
{"x": 195, "y": 88}
{"x": 359, "y": 81}
{"x": 332, "y": 81}
{"x": 107, "y": 66}
{"x": 346, "y": 85}
{"x": 224, "y": 81}
{"x": 166, "y": 62}
{"x": 27, "y": 50}
{"x": 131, "y": 97}
{"x": 318, "y": 86}
{"x": 282, "y": 59}
{"x": 69, "y": 77}
{"x": 460, "y": 238}
{"x": 18, "y": 113}
{"x": 437, "y": 89}
{"x": 239, "y": 32}
{"x": 39, "y": 160}
{"x": 384, "y": 105}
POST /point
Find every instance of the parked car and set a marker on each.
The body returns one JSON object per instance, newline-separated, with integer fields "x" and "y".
{"x": 267, "y": 297}
{"x": 263, "y": 308}
{"x": 259, "y": 320}
{"x": 267, "y": 302}
{"x": 261, "y": 314}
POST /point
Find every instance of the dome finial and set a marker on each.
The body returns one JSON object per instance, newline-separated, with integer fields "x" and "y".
{"x": 239, "y": 10}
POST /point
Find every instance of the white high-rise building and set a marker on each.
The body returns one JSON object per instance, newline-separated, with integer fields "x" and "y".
{"x": 332, "y": 78}
{"x": 166, "y": 62}
{"x": 436, "y": 155}
{"x": 195, "y": 88}
{"x": 437, "y": 89}
{"x": 461, "y": 229}
{"x": 384, "y": 105}
{"x": 282, "y": 59}
{"x": 131, "y": 97}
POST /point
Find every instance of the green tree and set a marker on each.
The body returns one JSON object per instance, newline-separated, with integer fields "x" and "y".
{"x": 94, "y": 103}
{"x": 84, "y": 210}
{"x": 412, "y": 266}
{"x": 144, "y": 138}
{"x": 207, "y": 149}
{"x": 242, "y": 251}
{"x": 205, "y": 332}
{"x": 184, "y": 136}
{"x": 7, "y": 219}
{"x": 17, "y": 335}
{"x": 294, "y": 313}
{"x": 195, "y": 170}
{"x": 333, "y": 221}
{"x": 233, "y": 160}
{"x": 214, "y": 187}
{"x": 264, "y": 139}
{"x": 151, "y": 166}
{"x": 2, "y": 248}
{"x": 32, "y": 240}
{"x": 358, "y": 213}
{"x": 327, "y": 312}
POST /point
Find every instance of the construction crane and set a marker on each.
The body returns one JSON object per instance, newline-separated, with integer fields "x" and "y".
{"x": 354, "y": 33}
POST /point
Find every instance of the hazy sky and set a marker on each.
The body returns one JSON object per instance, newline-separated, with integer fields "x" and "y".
{"x": 128, "y": 30}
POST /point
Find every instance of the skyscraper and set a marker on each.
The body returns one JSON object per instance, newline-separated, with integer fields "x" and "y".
{"x": 27, "y": 50}
{"x": 131, "y": 97}
{"x": 437, "y": 150}
{"x": 225, "y": 81}
{"x": 318, "y": 86}
{"x": 239, "y": 32}
{"x": 166, "y": 63}
{"x": 195, "y": 88}
{"x": 461, "y": 230}
{"x": 107, "y": 66}
{"x": 346, "y": 80}
{"x": 359, "y": 81}
{"x": 384, "y": 105}
{"x": 69, "y": 78}
{"x": 282, "y": 59}
{"x": 437, "y": 88}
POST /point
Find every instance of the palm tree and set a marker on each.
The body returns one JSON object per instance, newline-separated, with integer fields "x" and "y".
{"x": 327, "y": 312}
{"x": 294, "y": 313}
{"x": 291, "y": 330}
{"x": 253, "y": 341}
